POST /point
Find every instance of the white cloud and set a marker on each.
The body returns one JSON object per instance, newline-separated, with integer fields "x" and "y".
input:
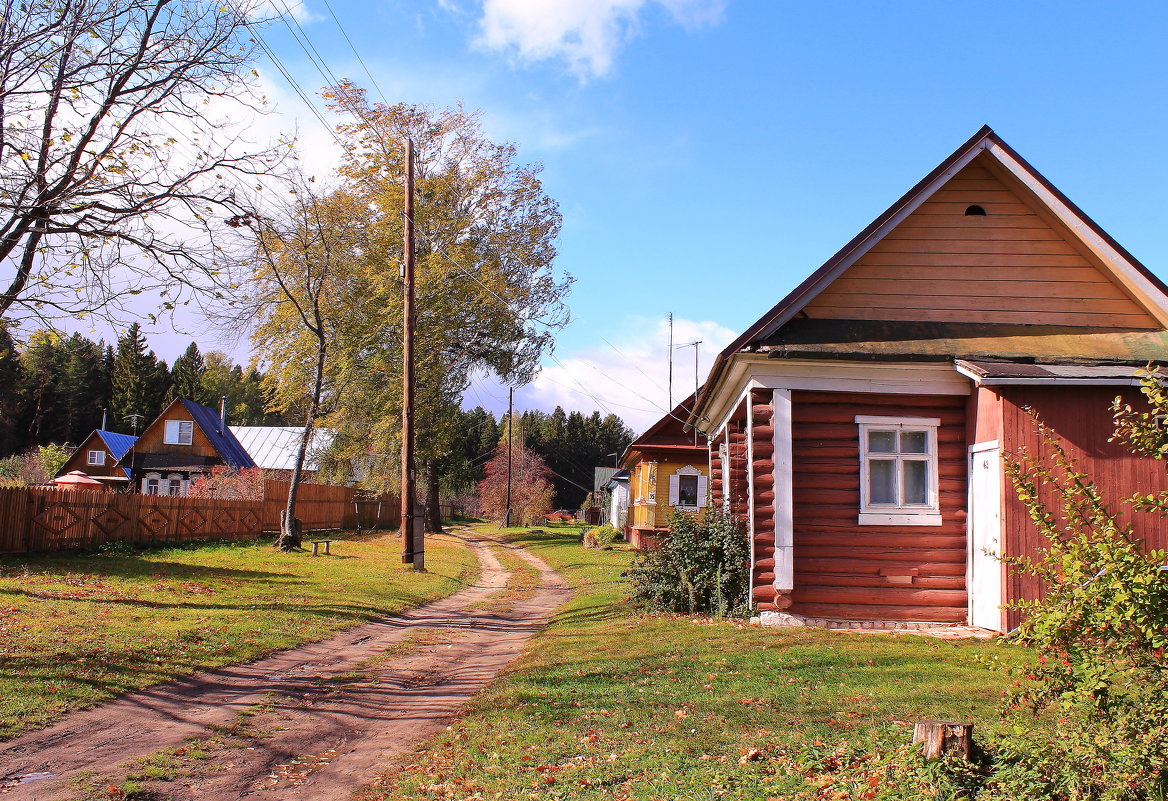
{"x": 585, "y": 33}
{"x": 627, "y": 375}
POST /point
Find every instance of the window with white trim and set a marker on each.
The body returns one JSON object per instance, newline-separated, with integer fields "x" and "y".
{"x": 150, "y": 484}
{"x": 687, "y": 488}
{"x": 178, "y": 432}
{"x": 174, "y": 484}
{"x": 97, "y": 458}
{"x": 898, "y": 471}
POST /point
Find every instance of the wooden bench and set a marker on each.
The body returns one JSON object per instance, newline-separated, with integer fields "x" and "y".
{"x": 316, "y": 546}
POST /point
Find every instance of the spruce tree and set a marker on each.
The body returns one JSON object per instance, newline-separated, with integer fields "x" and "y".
{"x": 139, "y": 382}
{"x": 12, "y": 436}
{"x": 186, "y": 376}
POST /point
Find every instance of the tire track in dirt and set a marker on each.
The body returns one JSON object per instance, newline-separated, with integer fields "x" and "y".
{"x": 317, "y": 722}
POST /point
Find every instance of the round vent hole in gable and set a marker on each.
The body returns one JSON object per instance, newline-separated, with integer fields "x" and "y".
{"x": 975, "y": 211}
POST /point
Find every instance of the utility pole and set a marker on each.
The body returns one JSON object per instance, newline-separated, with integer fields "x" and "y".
{"x": 670, "y": 406}
{"x": 510, "y": 439}
{"x": 694, "y": 345}
{"x": 412, "y": 552}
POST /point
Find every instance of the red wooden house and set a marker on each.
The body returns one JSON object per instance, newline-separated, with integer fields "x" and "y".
{"x": 860, "y": 425}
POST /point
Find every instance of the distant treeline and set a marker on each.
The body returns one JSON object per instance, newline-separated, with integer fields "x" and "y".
{"x": 571, "y": 444}
{"x": 53, "y": 388}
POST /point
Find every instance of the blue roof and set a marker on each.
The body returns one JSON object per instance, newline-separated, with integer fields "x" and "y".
{"x": 117, "y": 444}
{"x": 207, "y": 419}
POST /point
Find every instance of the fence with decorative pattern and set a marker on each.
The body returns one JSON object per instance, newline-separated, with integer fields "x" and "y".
{"x": 52, "y": 519}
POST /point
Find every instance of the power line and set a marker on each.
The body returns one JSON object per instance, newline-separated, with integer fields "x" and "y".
{"x": 353, "y": 47}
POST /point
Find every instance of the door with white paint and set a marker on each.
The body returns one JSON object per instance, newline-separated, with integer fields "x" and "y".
{"x": 984, "y": 578}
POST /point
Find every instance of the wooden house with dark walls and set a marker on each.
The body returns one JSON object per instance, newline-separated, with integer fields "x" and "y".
{"x": 97, "y": 457}
{"x": 667, "y": 471}
{"x": 185, "y": 441}
{"x": 860, "y": 426}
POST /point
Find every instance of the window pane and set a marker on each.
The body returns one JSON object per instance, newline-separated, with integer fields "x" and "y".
{"x": 914, "y": 442}
{"x": 882, "y": 481}
{"x": 687, "y": 491}
{"x": 882, "y": 442}
{"x": 916, "y": 482}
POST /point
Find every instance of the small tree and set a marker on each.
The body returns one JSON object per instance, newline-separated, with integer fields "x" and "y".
{"x": 531, "y": 486}
{"x": 1099, "y": 684}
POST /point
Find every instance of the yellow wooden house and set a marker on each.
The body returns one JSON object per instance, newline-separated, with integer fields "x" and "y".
{"x": 667, "y": 471}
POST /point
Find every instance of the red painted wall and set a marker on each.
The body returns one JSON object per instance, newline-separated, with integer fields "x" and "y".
{"x": 844, "y": 570}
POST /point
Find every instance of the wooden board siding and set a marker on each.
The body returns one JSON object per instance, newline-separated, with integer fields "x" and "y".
{"x": 1013, "y": 265}
{"x": 152, "y": 438}
{"x": 842, "y": 569}
{"x": 1081, "y": 418}
{"x": 79, "y": 460}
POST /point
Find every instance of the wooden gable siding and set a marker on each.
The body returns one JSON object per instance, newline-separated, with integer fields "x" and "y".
{"x": 79, "y": 460}
{"x": 1013, "y": 265}
{"x": 1081, "y": 418}
{"x": 152, "y": 438}
{"x": 843, "y": 569}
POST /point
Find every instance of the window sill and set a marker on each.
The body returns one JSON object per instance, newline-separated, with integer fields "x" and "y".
{"x": 885, "y": 519}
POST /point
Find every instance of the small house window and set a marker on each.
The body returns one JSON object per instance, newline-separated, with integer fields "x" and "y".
{"x": 174, "y": 484}
{"x": 687, "y": 488}
{"x": 97, "y": 458}
{"x": 975, "y": 211}
{"x": 178, "y": 432}
{"x": 898, "y": 471}
{"x": 150, "y": 484}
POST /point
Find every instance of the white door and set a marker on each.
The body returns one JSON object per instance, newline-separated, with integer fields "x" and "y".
{"x": 984, "y": 578}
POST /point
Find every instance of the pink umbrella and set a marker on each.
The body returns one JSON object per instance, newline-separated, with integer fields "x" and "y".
{"x": 75, "y": 479}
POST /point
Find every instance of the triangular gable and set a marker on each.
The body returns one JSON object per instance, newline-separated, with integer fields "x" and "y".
{"x": 207, "y": 420}
{"x": 1025, "y": 201}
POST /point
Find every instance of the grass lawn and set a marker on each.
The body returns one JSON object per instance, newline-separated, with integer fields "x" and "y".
{"x": 76, "y": 630}
{"x": 610, "y": 705}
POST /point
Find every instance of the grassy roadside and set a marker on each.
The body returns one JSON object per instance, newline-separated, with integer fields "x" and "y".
{"x": 609, "y": 705}
{"x": 76, "y": 630}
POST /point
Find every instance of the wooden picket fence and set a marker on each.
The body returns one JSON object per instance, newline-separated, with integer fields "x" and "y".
{"x": 53, "y": 519}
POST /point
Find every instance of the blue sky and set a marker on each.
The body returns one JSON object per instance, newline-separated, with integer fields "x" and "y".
{"x": 708, "y": 154}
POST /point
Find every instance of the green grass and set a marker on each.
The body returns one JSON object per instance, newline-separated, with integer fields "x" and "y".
{"x": 76, "y": 630}
{"x": 607, "y": 704}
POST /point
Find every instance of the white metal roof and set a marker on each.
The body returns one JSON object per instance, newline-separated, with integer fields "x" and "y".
{"x": 274, "y": 447}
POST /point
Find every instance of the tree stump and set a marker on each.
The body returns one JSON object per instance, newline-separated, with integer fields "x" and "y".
{"x": 943, "y": 737}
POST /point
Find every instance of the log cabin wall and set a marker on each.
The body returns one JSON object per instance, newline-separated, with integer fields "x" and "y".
{"x": 737, "y": 486}
{"x": 762, "y": 455}
{"x": 1082, "y": 422}
{"x": 717, "y": 497}
{"x": 847, "y": 571}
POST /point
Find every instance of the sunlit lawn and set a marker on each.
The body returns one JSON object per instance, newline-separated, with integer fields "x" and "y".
{"x": 76, "y": 630}
{"x": 608, "y": 704}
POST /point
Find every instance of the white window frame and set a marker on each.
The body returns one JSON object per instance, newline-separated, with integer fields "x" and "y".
{"x": 928, "y": 514}
{"x": 700, "y": 490}
{"x": 178, "y": 432}
{"x": 151, "y": 484}
{"x": 96, "y": 458}
{"x": 174, "y": 485}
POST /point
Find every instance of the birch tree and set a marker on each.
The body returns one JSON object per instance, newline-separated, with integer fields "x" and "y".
{"x": 304, "y": 255}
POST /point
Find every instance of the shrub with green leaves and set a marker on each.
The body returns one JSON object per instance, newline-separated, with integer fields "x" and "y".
{"x": 701, "y": 565}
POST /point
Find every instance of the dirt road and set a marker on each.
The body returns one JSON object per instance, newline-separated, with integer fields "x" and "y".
{"x": 311, "y": 723}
